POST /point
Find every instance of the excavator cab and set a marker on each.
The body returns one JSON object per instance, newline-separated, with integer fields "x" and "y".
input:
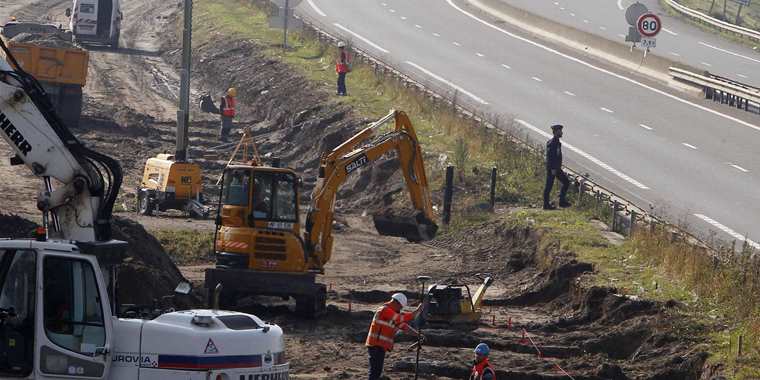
{"x": 259, "y": 215}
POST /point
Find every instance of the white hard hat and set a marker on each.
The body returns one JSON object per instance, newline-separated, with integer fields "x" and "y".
{"x": 400, "y": 298}
{"x": 341, "y": 44}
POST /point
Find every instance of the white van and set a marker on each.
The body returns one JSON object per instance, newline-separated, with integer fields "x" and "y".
{"x": 96, "y": 21}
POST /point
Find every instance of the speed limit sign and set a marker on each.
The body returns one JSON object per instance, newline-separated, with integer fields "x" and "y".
{"x": 649, "y": 25}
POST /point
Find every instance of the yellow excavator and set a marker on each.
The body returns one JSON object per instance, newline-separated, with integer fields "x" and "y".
{"x": 258, "y": 242}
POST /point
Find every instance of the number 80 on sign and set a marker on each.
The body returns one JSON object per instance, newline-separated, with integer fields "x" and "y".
{"x": 649, "y": 25}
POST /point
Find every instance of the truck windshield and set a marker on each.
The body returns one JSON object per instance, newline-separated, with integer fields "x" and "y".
{"x": 17, "y": 295}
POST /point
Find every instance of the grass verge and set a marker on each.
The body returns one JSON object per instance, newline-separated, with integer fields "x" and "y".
{"x": 187, "y": 247}
{"x": 750, "y": 19}
{"x": 649, "y": 264}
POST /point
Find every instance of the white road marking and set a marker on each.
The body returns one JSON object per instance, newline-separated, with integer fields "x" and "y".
{"x": 456, "y": 43}
{"x": 741, "y": 76}
{"x": 675, "y": 54}
{"x": 452, "y": 85}
{"x": 672, "y": 33}
{"x": 562, "y": 8}
{"x": 392, "y": 10}
{"x": 384, "y": 4}
{"x": 403, "y": 17}
{"x": 605, "y": 109}
{"x": 537, "y": 79}
{"x": 621, "y": 35}
{"x": 586, "y": 155}
{"x": 648, "y": 128}
{"x": 689, "y": 146}
{"x": 418, "y": 26}
{"x": 737, "y": 167}
{"x": 556, "y": 3}
{"x": 706, "y": 64}
{"x": 569, "y": 93}
{"x": 729, "y": 52}
{"x": 316, "y": 8}
{"x": 505, "y": 66}
{"x": 620, "y": 4}
{"x": 727, "y": 230}
{"x": 603, "y": 28}
{"x": 585, "y": 21}
{"x": 479, "y": 54}
{"x": 374, "y": 45}
{"x": 572, "y": 14}
{"x": 601, "y": 70}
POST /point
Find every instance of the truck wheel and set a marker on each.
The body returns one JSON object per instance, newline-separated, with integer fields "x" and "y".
{"x": 115, "y": 40}
{"x": 144, "y": 206}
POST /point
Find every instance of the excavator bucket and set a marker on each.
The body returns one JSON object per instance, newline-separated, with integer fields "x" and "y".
{"x": 414, "y": 228}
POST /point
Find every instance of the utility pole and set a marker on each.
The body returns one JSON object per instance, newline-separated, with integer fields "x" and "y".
{"x": 285, "y": 34}
{"x": 183, "y": 114}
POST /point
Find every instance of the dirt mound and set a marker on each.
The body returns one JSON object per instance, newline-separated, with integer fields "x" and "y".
{"x": 47, "y": 40}
{"x": 15, "y": 227}
{"x": 147, "y": 273}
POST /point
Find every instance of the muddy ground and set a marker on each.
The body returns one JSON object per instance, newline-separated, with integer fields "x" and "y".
{"x": 589, "y": 332}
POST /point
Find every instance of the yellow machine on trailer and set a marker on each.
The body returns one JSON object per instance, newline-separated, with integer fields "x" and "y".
{"x": 170, "y": 184}
{"x": 258, "y": 242}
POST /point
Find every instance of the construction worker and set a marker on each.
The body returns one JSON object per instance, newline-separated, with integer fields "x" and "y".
{"x": 554, "y": 170}
{"x": 386, "y": 323}
{"x": 482, "y": 369}
{"x": 342, "y": 67}
{"x": 227, "y": 108}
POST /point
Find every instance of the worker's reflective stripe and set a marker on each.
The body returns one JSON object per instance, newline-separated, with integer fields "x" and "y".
{"x": 229, "y": 106}
{"x": 384, "y": 323}
{"x": 385, "y": 338}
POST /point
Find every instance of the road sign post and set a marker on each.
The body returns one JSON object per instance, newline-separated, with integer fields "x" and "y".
{"x": 285, "y": 19}
{"x": 648, "y": 26}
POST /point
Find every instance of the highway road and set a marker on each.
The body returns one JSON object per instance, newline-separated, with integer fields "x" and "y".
{"x": 678, "y": 41}
{"x": 695, "y": 163}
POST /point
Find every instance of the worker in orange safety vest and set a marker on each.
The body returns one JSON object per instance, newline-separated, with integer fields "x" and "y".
{"x": 386, "y": 323}
{"x": 482, "y": 369}
{"x": 227, "y": 112}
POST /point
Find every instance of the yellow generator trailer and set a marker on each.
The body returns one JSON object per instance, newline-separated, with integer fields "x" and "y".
{"x": 171, "y": 185}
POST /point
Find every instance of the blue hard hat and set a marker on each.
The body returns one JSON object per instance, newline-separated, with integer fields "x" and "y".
{"x": 482, "y": 349}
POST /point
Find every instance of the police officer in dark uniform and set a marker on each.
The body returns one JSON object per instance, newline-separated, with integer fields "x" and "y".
{"x": 554, "y": 170}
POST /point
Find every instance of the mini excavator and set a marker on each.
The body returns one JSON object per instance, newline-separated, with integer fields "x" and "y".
{"x": 258, "y": 242}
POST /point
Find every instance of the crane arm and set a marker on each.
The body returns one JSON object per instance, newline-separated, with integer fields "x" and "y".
{"x": 80, "y": 208}
{"x": 360, "y": 150}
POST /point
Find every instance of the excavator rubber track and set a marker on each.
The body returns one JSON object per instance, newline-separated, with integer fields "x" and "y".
{"x": 414, "y": 228}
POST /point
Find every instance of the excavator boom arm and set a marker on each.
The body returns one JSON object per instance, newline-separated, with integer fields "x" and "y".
{"x": 360, "y": 150}
{"x": 80, "y": 208}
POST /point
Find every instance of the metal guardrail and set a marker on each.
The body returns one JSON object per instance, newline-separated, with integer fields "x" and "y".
{"x": 706, "y": 19}
{"x": 624, "y": 216}
{"x": 721, "y": 89}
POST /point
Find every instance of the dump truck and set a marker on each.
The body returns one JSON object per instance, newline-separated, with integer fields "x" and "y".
{"x": 46, "y": 52}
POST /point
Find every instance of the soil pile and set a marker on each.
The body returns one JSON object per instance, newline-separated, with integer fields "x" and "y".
{"x": 46, "y": 40}
{"x": 15, "y": 227}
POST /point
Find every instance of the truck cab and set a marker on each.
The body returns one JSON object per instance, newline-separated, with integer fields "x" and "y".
{"x": 96, "y": 21}
{"x": 56, "y": 321}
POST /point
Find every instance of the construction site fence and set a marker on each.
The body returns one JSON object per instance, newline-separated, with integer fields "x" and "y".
{"x": 622, "y": 215}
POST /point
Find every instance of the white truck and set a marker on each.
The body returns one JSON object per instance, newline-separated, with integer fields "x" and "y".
{"x": 96, "y": 21}
{"x": 57, "y": 319}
